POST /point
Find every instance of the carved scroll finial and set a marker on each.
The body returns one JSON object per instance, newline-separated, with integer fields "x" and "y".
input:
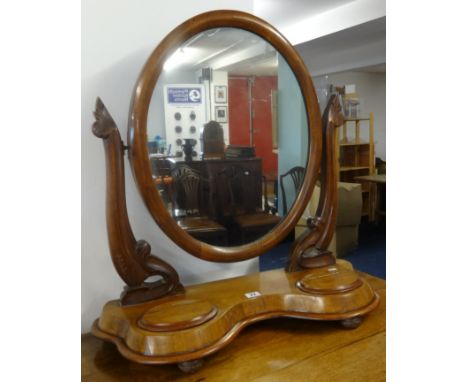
{"x": 132, "y": 259}
{"x": 104, "y": 123}
{"x": 310, "y": 249}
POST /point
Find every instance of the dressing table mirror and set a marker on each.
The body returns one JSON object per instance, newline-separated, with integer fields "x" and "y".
{"x": 226, "y": 143}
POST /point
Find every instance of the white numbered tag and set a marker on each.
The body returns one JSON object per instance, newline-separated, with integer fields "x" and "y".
{"x": 252, "y": 294}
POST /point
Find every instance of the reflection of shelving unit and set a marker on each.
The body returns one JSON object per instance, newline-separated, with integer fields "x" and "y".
{"x": 355, "y": 156}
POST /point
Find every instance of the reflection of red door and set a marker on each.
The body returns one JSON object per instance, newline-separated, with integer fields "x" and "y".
{"x": 239, "y": 117}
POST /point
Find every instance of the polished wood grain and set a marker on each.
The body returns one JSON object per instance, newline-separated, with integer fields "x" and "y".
{"x": 329, "y": 293}
{"x": 310, "y": 249}
{"x": 330, "y": 280}
{"x": 178, "y": 315}
{"x": 131, "y": 258}
{"x": 160, "y": 322}
{"x": 137, "y": 133}
{"x": 281, "y": 349}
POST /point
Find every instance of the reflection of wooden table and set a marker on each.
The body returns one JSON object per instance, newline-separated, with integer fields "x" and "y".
{"x": 273, "y": 350}
{"x": 158, "y": 180}
{"x": 210, "y": 169}
{"x": 163, "y": 183}
{"x": 378, "y": 185}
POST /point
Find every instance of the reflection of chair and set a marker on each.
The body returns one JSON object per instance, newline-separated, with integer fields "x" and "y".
{"x": 297, "y": 176}
{"x": 182, "y": 170}
{"x": 189, "y": 210}
{"x": 247, "y": 196}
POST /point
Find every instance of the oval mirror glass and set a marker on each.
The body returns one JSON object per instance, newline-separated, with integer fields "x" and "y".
{"x": 227, "y": 136}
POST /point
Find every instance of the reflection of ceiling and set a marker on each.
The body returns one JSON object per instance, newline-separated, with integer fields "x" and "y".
{"x": 233, "y": 50}
{"x": 266, "y": 65}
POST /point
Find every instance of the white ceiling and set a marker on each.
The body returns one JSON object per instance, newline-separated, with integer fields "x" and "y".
{"x": 358, "y": 47}
{"x": 381, "y": 68}
{"x": 330, "y": 35}
{"x": 361, "y": 34}
{"x": 281, "y": 13}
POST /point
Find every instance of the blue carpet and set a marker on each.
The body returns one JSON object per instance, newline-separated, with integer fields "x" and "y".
{"x": 369, "y": 257}
{"x": 276, "y": 257}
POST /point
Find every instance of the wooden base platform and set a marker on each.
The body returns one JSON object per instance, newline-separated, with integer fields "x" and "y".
{"x": 188, "y": 327}
{"x": 281, "y": 349}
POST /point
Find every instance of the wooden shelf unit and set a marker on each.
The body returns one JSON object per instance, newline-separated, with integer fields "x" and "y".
{"x": 356, "y": 157}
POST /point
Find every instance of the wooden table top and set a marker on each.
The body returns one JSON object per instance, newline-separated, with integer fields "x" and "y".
{"x": 273, "y": 350}
{"x": 378, "y": 178}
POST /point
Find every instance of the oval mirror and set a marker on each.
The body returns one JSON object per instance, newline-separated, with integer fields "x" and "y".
{"x": 225, "y": 136}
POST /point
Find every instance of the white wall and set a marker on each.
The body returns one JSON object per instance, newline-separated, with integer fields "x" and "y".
{"x": 220, "y": 78}
{"x": 117, "y": 38}
{"x": 370, "y": 88}
{"x": 156, "y": 114}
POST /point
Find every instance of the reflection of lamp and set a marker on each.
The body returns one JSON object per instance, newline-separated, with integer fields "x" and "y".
{"x": 188, "y": 148}
{"x": 184, "y": 54}
{"x": 179, "y": 57}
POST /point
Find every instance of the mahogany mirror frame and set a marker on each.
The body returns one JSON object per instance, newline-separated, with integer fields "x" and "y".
{"x": 137, "y": 134}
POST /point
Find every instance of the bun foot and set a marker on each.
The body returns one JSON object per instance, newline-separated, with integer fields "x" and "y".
{"x": 351, "y": 323}
{"x": 190, "y": 366}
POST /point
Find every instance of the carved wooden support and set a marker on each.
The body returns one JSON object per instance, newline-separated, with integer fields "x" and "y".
{"x": 132, "y": 259}
{"x": 310, "y": 249}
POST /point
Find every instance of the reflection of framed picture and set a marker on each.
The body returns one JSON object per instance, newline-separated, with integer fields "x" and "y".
{"x": 221, "y": 113}
{"x": 220, "y": 94}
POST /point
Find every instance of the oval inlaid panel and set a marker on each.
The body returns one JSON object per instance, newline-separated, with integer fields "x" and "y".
{"x": 177, "y": 315}
{"x": 330, "y": 280}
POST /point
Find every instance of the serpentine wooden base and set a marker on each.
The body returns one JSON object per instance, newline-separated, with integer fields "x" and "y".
{"x": 183, "y": 328}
